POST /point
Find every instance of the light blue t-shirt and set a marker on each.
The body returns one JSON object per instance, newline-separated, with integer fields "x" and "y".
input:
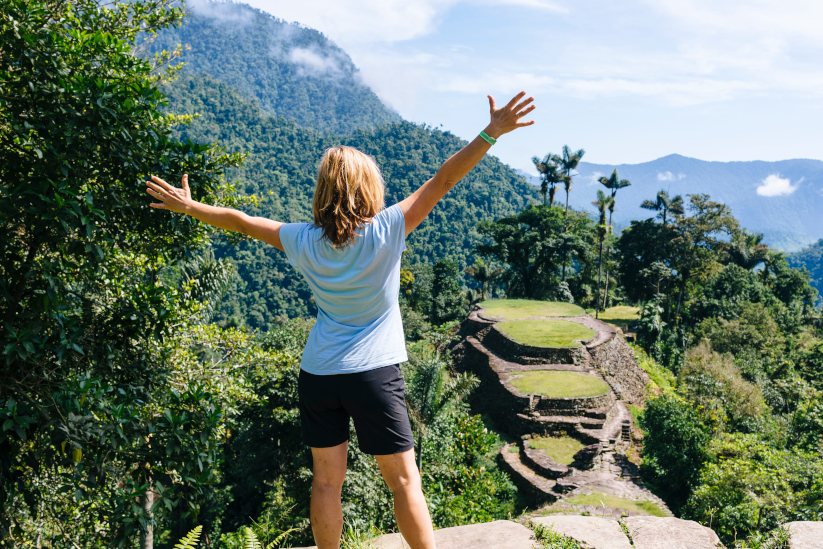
{"x": 356, "y": 291}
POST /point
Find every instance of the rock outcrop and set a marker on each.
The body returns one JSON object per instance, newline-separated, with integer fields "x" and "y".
{"x": 594, "y": 533}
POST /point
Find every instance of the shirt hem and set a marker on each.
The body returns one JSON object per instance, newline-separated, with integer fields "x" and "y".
{"x": 326, "y": 372}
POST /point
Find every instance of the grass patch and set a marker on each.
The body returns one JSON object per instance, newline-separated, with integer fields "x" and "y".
{"x": 549, "y": 539}
{"x": 662, "y": 379}
{"x": 598, "y": 500}
{"x": 546, "y": 333}
{"x": 515, "y": 309}
{"x": 559, "y": 384}
{"x": 619, "y": 315}
{"x": 560, "y": 449}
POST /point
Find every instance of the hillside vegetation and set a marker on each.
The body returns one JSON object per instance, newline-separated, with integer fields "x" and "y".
{"x": 810, "y": 258}
{"x": 293, "y": 71}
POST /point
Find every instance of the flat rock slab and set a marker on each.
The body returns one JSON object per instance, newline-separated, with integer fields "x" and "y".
{"x": 805, "y": 535}
{"x": 670, "y": 533}
{"x": 500, "y": 534}
{"x": 589, "y": 532}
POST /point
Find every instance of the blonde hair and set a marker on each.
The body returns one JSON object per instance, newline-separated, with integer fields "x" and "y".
{"x": 349, "y": 193}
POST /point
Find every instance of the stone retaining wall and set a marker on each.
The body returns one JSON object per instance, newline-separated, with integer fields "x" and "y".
{"x": 574, "y": 404}
{"x": 512, "y": 351}
{"x": 615, "y": 360}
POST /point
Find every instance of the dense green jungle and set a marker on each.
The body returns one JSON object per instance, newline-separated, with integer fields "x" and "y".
{"x": 150, "y": 363}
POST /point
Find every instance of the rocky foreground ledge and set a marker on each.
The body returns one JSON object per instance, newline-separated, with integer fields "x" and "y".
{"x": 638, "y": 532}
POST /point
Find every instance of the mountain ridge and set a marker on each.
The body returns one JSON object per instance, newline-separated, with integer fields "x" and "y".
{"x": 786, "y": 214}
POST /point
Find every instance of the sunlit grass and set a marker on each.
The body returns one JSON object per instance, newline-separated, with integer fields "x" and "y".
{"x": 560, "y": 449}
{"x": 619, "y": 315}
{"x": 559, "y": 384}
{"x": 546, "y": 333}
{"x": 514, "y": 309}
{"x": 615, "y": 502}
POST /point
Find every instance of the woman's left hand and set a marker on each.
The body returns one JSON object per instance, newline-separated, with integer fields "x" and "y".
{"x": 171, "y": 198}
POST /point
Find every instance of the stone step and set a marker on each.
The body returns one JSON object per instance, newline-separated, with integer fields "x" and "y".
{"x": 611, "y": 431}
{"x": 548, "y": 424}
{"x": 536, "y": 488}
{"x": 500, "y": 534}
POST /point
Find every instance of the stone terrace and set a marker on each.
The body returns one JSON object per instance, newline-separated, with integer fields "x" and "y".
{"x": 602, "y": 423}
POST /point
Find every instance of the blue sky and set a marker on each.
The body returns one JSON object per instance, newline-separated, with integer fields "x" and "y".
{"x": 629, "y": 81}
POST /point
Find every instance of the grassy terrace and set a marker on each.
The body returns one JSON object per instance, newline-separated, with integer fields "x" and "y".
{"x": 515, "y": 309}
{"x": 559, "y": 384}
{"x": 619, "y": 315}
{"x": 560, "y": 449}
{"x": 546, "y": 333}
{"x": 598, "y": 500}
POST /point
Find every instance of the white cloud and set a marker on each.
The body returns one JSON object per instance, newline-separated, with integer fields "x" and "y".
{"x": 774, "y": 185}
{"x": 669, "y": 176}
{"x": 219, "y": 11}
{"x": 314, "y": 62}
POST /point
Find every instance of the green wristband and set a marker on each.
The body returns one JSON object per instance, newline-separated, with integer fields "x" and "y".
{"x": 487, "y": 138}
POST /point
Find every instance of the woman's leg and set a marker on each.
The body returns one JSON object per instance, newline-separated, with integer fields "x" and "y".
{"x": 329, "y": 465}
{"x": 401, "y": 474}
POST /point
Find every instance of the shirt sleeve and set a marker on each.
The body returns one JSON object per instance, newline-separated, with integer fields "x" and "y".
{"x": 290, "y": 239}
{"x": 393, "y": 228}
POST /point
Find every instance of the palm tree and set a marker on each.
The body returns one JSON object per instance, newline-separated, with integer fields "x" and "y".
{"x": 665, "y": 204}
{"x": 747, "y": 250}
{"x": 550, "y": 175}
{"x": 603, "y": 201}
{"x": 484, "y": 274}
{"x": 614, "y": 184}
{"x": 569, "y": 162}
{"x": 431, "y": 392}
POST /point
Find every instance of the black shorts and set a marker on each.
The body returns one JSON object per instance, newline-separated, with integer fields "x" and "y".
{"x": 374, "y": 399}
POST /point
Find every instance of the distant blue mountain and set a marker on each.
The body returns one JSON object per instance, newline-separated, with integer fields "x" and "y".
{"x": 788, "y": 208}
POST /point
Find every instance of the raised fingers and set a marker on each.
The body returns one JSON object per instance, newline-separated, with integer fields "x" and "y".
{"x": 165, "y": 186}
{"x": 522, "y": 104}
{"x": 492, "y": 104}
{"x": 525, "y": 112}
{"x": 515, "y": 99}
{"x": 158, "y": 190}
{"x": 522, "y": 124}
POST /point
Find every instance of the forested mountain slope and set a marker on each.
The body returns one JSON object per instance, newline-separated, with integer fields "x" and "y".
{"x": 812, "y": 259}
{"x": 281, "y": 167}
{"x": 293, "y": 71}
{"x": 780, "y": 199}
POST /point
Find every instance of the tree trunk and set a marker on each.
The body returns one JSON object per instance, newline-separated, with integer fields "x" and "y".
{"x": 599, "y": 271}
{"x": 606, "y": 293}
{"x": 680, "y": 298}
{"x": 147, "y": 537}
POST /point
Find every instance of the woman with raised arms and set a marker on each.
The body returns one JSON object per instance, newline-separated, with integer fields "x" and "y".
{"x": 350, "y": 258}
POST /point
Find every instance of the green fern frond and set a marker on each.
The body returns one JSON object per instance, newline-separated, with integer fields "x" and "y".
{"x": 250, "y": 540}
{"x": 280, "y": 539}
{"x": 189, "y": 541}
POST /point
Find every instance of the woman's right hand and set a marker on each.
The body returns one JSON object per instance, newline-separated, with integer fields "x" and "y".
{"x": 507, "y": 118}
{"x": 171, "y": 198}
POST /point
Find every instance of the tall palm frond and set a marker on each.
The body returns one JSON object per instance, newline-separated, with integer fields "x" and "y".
{"x": 567, "y": 163}
{"x": 550, "y": 175}
{"x": 747, "y": 250}
{"x": 665, "y": 204}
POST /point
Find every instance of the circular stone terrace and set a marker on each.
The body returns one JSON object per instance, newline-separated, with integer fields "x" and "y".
{"x": 548, "y": 379}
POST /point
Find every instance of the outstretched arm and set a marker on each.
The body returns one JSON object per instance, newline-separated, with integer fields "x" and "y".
{"x": 503, "y": 120}
{"x": 180, "y": 200}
